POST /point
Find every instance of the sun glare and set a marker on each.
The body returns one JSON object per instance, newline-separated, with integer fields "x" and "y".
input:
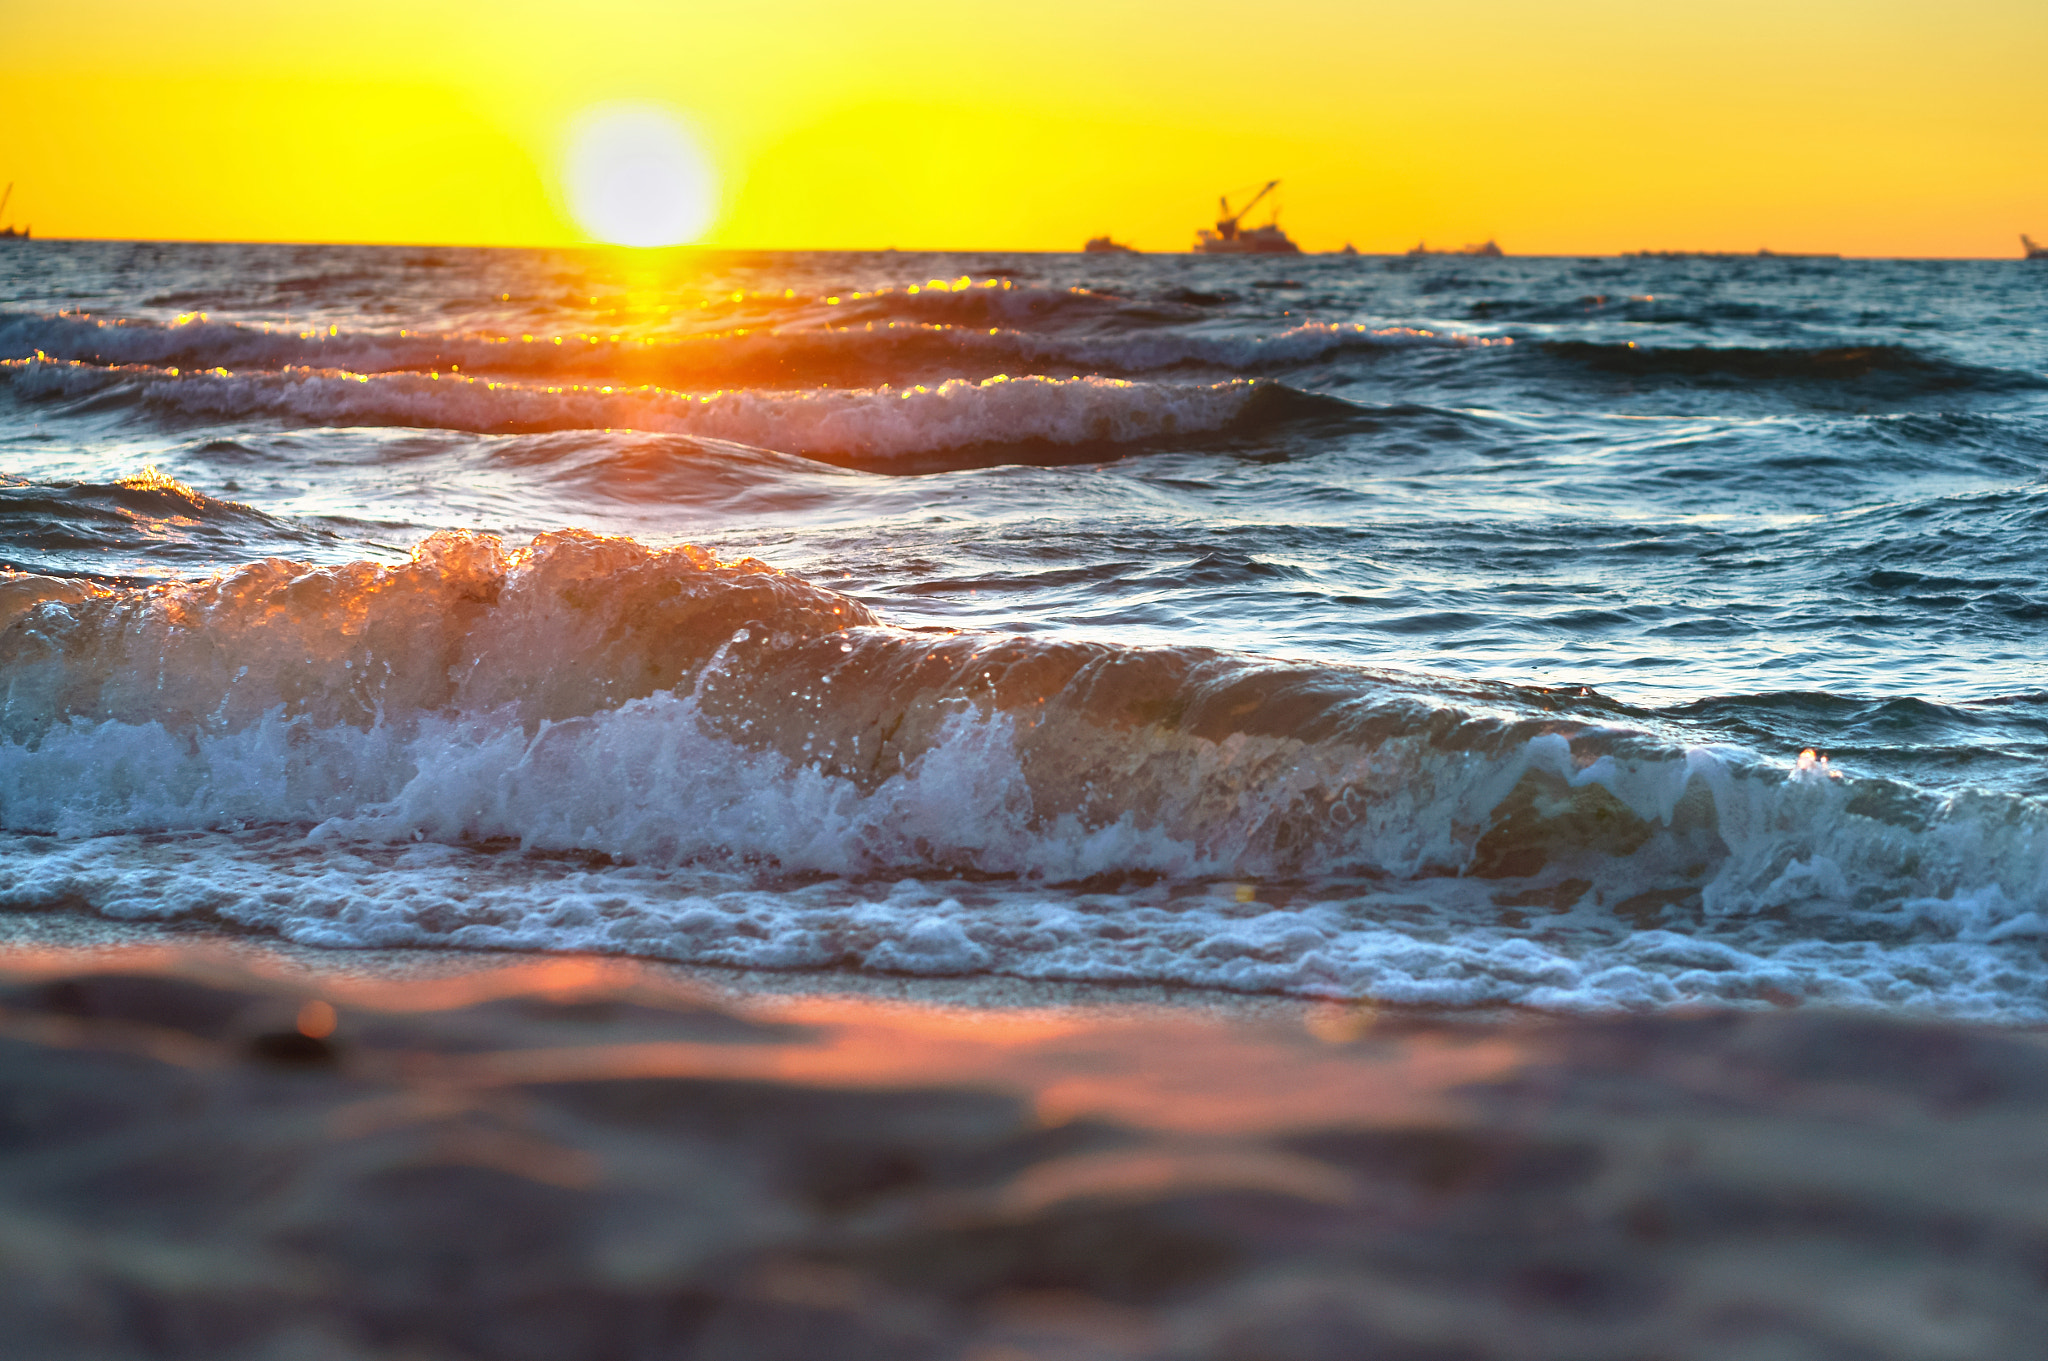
{"x": 634, "y": 177}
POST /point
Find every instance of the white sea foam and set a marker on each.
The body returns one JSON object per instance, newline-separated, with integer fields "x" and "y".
{"x": 748, "y": 355}
{"x": 1432, "y": 942}
{"x": 372, "y": 755}
{"x": 383, "y": 832}
{"x": 875, "y": 423}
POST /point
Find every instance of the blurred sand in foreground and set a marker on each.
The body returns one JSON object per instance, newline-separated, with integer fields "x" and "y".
{"x": 226, "y": 1149}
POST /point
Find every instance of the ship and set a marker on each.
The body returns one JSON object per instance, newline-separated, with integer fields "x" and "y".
{"x": 1103, "y": 245}
{"x": 1229, "y": 238}
{"x": 1488, "y": 248}
{"x": 10, "y": 233}
{"x": 2035, "y": 251}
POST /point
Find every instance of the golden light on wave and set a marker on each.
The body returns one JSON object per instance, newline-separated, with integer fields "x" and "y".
{"x": 634, "y": 177}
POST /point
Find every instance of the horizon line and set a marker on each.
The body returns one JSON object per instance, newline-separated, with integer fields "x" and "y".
{"x": 1763, "y": 252}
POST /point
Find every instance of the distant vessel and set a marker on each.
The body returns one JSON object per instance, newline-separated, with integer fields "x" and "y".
{"x": 1102, "y": 245}
{"x": 9, "y": 233}
{"x": 2035, "y": 251}
{"x": 1231, "y": 239}
{"x": 1486, "y": 248}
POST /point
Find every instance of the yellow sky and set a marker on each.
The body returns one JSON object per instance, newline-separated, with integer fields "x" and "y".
{"x": 1877, "y": 127}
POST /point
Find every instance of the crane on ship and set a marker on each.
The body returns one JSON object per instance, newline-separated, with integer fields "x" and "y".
{"x": 1226, "y": 222}
{"x": 8, "y": 233}
{"x": 1231, "y": 239}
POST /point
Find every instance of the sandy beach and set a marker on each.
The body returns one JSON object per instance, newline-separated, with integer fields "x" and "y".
{"x": 220, "y": 1148}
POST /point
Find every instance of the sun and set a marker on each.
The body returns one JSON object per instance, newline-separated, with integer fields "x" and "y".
{"x": 634, "y": 177}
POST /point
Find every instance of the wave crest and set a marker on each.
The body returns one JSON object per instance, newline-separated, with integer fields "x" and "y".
{"x": 877, "y": 424}
{"x": 839, "y": 352}
{"x": 598, "y": 695}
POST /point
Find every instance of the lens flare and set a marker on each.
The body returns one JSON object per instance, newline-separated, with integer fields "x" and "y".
{"x": 634, "y": 177}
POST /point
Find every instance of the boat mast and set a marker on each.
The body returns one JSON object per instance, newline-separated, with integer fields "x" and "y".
{"x": 3, "y": 200}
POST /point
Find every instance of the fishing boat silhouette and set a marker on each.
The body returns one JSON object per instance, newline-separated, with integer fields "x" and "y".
{"x": 1230, "y": 238}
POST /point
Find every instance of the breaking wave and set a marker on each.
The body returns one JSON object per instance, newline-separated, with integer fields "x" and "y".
{"x": 830, "y": 352}
{"x": 863, "y": 424}
{"x": 659, "y": 707}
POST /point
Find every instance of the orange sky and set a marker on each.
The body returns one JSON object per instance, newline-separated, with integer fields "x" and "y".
{"x": 1879, "y": 127}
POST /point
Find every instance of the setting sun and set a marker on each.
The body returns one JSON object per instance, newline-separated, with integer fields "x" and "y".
{"x": 634, "y": 177}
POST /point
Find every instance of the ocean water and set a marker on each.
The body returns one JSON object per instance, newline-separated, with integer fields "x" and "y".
{"x": 1602, "y": 633}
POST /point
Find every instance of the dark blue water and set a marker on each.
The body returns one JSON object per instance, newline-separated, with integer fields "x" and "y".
{"x": 1443, "y": 630}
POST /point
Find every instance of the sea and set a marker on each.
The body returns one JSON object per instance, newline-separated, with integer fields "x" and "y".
{"x": 1448, "y": 632}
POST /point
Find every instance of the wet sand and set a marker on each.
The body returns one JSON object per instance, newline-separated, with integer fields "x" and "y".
{"x": 224, "y": 1148}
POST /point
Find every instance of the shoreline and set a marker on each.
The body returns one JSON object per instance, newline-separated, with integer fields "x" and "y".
{"x": 71, "y": 933}
{"x": 379, "y": 968}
